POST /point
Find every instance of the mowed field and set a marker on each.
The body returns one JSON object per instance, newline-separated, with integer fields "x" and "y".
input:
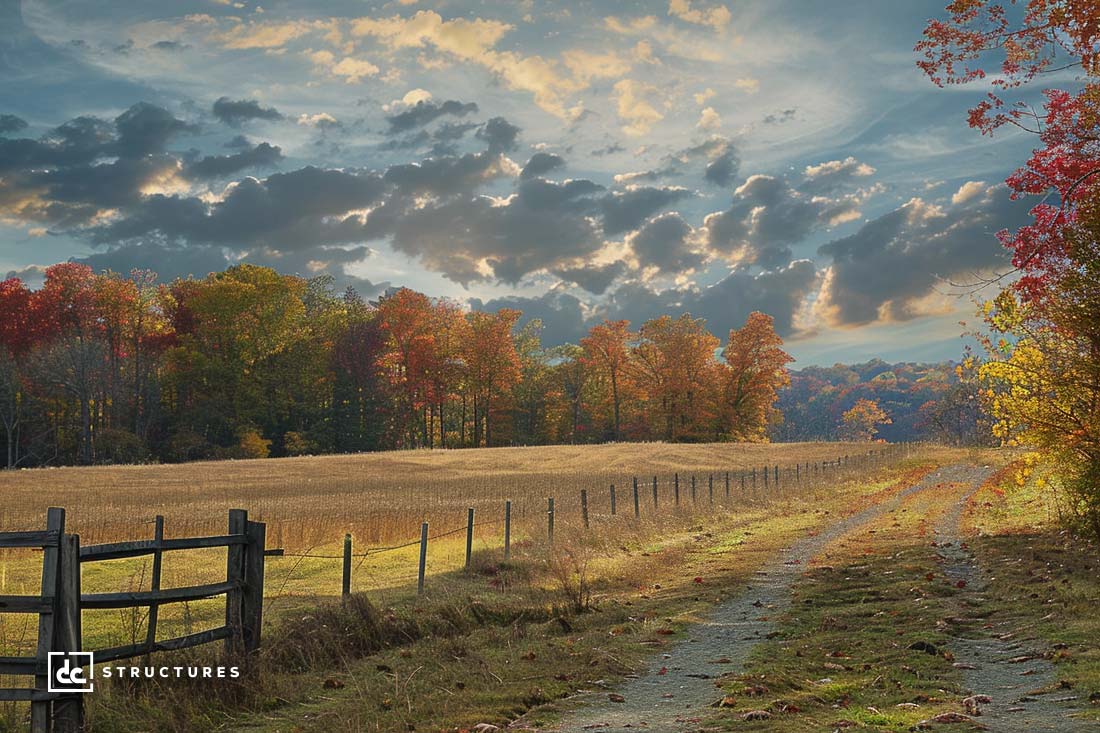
{"x": 380, "y": 499}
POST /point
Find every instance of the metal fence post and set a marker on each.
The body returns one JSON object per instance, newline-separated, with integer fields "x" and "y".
{"x": 345, "y": 585}
{"x": 550, "y": 520}
{"x": 507, "y": 529}
{"x": 584, "y": 507}
{"x": 423, "y": 558}
{"x": 469, "y": 536}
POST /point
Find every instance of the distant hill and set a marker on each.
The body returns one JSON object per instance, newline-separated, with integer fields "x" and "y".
{"x": 924, "y": 401}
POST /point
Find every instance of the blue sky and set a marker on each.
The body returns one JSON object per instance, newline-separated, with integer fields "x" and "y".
{"x": 575, "y": 160}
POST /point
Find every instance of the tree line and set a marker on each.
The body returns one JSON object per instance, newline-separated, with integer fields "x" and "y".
{"x": 105, "y": 368}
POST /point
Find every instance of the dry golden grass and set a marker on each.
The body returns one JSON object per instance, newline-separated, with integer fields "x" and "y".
{"x": 379, "y": 497}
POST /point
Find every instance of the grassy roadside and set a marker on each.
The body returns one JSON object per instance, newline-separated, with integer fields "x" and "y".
{"x": 498, "y": 643}
{"x": 863, "y": 645}
{"x": 1042, "y": 579}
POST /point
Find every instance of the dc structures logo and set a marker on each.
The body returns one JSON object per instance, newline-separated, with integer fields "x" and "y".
{"x": 71, "y": 671}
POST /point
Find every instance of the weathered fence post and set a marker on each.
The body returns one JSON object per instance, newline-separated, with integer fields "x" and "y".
{"x": 507, "y": 529}
{"x": 234, "y": 573}
{"x": 637, "y": 506}
{"x": 612, "y": 499}
{"x": 727, "y": 484}
{"x": 676, "y": 487}
{"x": 584, "y": 507}
{"x": 68, "y": 710}
{"x": 550, "y": 520}
{"x": 345, "y": 585}
{"x": 469, "y": 535}
{"x": 742, "y": 482}
{"x": 55, "y": 524}
{"x": 252, "y": 600}
{"x": 777, "y": 476}
{"x": 693, "y": 498}
{"x": 710, "y": 488}
{"x": 154, "y": 582}
{"x": 765, "y": 477}
{"x": 423, "y": 558}
{"x": 654, "y": 493}
{"x": 798, "y": 473}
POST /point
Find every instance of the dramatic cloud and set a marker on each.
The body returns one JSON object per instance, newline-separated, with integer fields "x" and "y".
{"x": 425, "y": 111}
{"x": 781, "y": 293}
{"x": 234, "y": 113}
{"x": 664, "y": 243}
{"x": 596, "y": 279}
{"x": 891, "y": 269}
{"x": 768, "y": 216}
{"x": 626, "y": 210}
{"x": 11, "y": 123}
{"x": 222, "y": 166}
{"x": 560, "y": 313}
{"x": 500, "y": 134}
{"x": 145, "y": 129}
{"x": 723, "y": 170}
{"x": 542, "y": 226}
{"x": 541, "y": 164}
{"x": 826, "y": 178}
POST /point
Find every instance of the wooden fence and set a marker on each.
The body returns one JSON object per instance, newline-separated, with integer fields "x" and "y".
{"x": 60, "y": 603}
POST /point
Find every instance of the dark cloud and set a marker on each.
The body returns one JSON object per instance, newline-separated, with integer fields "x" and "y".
{"x": 170, "y": 46}
{"x": 778, "y": 118}
{"x": 626, "y": 210}
{"x": 541, "y": 164}
{"x": 239, "y": 142}
{"x": 425, "y": 112}
{"x": 234, "y": 113}
{"x": 664, "y": 242}
{"x": 145, "y": 129}
{"x": 766, "y": 217}
{"x": 223, "y": 166}
{"x": 725, "y": 305}
{"x": 884, "y": 270}
{"x": 722, "y": 170}
{"x": 560, "y": 313}
{"x": 446, "y": 175}
{"x": 596, "y": 279}
{"x": 409, "y": 142}
{"x": 543, "y": 226}
{"x": 608, "y": 150}
{"x": 289, "y": 211}
{"x": 11, "y": 123}
{"x": 499, "y": 134}
{"x": 449, "y": 131}
{"x": 169, "y": 262}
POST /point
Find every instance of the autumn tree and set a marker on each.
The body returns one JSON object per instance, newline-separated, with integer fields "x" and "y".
{"x": 493, "y": 365}
{"x": 674, "y": 364}
{"x": 1042, "y": 349}
{"x": 607, "y": 355}
{"x": 862, "y": 420}
{"x": 756, "y": 372}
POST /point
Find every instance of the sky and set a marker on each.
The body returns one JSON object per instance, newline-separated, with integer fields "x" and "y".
{"x": 578, "y": 161}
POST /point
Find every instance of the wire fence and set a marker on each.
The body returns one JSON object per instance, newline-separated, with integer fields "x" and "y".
{"x": 630, "y": 498}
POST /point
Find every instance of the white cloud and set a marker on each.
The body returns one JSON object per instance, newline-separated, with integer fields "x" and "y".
{"x": 702, "y": 97}
{"x": 717, "y": 17}
{"x": 709, "y": 119}
{"x": 409, "y": 100}
{"x": 967, "y": 191}
{"x": 747, "y": 84}
{"x": 353, "y": 69}
{"x": 633, "y": 108}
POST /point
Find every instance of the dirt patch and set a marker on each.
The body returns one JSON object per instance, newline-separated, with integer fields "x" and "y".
{"x": 999, "y": 659}
{"x": 680, "y": 685}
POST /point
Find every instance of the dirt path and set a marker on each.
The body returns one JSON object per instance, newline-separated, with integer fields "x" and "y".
{"x": 998, "y": 659}
{"x": 679, "y": 686}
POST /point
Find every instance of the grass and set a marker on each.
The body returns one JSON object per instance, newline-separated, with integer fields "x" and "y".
{"x": 515, "y": 616}
{"x": 381, "y": 498}
{"x": 1043, "y": 579}
{"x": 852, "y": 649}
